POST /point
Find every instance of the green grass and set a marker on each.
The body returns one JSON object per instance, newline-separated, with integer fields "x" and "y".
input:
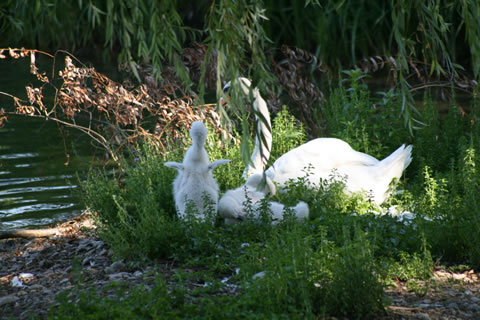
{"x": 335, "y": 264}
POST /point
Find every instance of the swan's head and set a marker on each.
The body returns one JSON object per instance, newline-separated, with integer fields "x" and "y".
{"x": 198, "y": 132}
{"x": 244, "y": 83}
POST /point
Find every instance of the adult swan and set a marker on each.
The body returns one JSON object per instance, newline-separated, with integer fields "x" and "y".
{"x": 324, "y": 156}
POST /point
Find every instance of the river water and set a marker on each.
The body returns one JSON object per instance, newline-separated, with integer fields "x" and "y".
{"x": 39, "y": 184}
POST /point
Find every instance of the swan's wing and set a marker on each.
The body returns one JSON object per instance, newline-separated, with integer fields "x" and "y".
{"x": 322, "y": 153}
{"x": 217, "y": 163}
{"x": 175, "y": 165}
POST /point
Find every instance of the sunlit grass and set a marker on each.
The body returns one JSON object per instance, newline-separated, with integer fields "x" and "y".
{"x": 338, "y": 262}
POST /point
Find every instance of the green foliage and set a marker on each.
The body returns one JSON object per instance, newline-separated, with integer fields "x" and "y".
{"x": 145, "y": 31}
{"x": 444, "y": 176}
{"x": 304, "y": 274}
{"x": 341, "y": 32}
{"x": 135, "y": 208}
{"x": 355, "y": 290}
{"x": 308, "y": 267}
{"x": 139, "y": 303}
{"x": 410, "y": 266}
{"x": 288, "y": 133}
{"x": 431, "y": 40}
{"x": 369, "y": 124}
{"x": 334, "y": 264}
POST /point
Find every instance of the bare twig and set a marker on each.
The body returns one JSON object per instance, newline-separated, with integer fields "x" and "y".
{"x": 117, "y": 115}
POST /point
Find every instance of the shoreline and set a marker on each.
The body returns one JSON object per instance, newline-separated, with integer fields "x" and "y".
{"x": 34, "y": 271}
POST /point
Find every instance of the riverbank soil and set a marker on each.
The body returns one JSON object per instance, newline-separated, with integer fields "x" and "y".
{"x": 34, "y": 271}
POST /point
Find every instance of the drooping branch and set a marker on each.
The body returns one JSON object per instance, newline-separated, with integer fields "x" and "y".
{"x": 112, "y": 114}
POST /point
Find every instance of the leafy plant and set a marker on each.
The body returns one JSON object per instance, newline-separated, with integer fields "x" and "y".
{"x": 369, "y": 124}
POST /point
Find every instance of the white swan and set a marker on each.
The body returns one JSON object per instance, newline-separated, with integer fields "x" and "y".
{"x": 232, "y": 204}
{"x": 195, "y": 181}
{"x": 324, "y": 155}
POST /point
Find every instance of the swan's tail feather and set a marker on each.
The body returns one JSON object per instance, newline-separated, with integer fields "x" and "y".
{"x": 394, "y": 165}
{"x": 391, "y": 168}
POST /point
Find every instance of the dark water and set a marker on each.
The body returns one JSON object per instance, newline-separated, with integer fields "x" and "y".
{"x": 38, "y": 183}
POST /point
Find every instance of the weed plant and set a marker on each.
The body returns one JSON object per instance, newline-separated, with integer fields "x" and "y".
{"x": 442, "y": 180}
{"x": 336, "y": 263}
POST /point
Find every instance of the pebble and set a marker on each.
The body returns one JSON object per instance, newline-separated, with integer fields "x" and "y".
{"x": 8, "y": 299}
{"x": 473, "y": 307}
{"x": 423, "y": 316}
{"x": 36, "y": 287}
{"x": 115, "y": 267}
{"x": 119, "y": 276}
{"x": 21, "y": 293}
{"x": 86, "y": 261}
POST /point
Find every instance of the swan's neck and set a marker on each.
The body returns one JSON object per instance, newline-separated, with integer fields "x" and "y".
{"x": 261, "y": 152}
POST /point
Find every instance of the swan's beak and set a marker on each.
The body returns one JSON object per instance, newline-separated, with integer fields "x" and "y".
{"x": 223, "y": 101}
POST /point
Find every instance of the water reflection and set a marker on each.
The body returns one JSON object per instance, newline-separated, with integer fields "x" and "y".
{"x": 36, "y": 208}
{"x": 18, "y": 155}
{"x": 36, "y": 188}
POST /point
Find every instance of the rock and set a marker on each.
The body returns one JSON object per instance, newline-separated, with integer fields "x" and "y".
{"x": 83, "y": 245}
{"x": 21, "y": 293}
{"x": 115, "y": 267}
{"x": 8, "y": 299}
{"x": 472, "y": 307}
{"x": 423, "y": 316}
{"x": 87, "y": 260}
{"x": 466, "y": 315}
{"x": 119, "y": 276}
{"x": 452, "y": 305}
{"x": 99, "y": 244}
{"x": 425, "y": 303}
{"x": 37, "y": 287}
